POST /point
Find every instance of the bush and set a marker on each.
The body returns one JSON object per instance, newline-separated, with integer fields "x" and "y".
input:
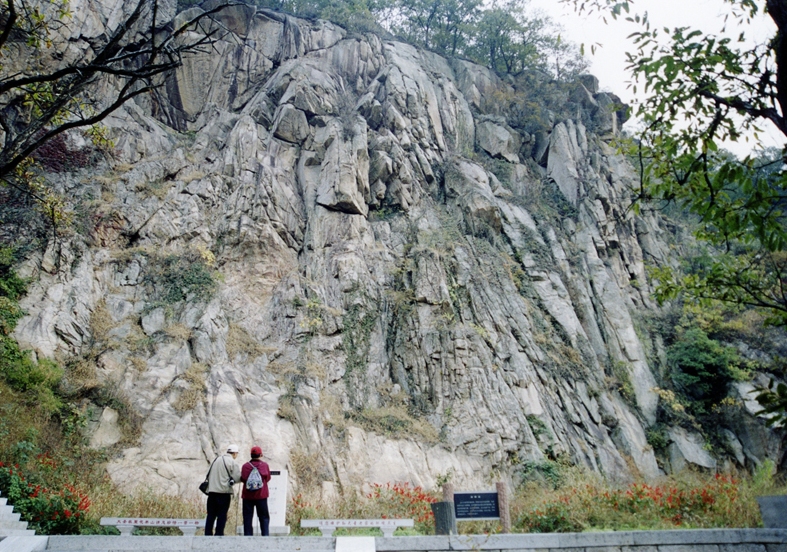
{"x": 547, "y": 472}
{"x": 48, "y": 511}
{"x": 702, "y": 368}
{"x": 400, "y": 500}
{"x": 12, "y": 288}
{"x": 552, "y": 518}
{"x": 187, "y": 278}
{"x": 37, "y": 379}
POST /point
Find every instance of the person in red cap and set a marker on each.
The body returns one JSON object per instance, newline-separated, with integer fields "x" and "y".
{"x": 255, "y": 475}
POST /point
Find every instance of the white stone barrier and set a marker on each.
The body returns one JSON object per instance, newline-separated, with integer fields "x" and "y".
{"x": 126, "y": 525}
{"x": 328, "y": 526}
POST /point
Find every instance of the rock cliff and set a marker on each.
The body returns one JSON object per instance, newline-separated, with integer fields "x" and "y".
{"x": 344, "y": 249}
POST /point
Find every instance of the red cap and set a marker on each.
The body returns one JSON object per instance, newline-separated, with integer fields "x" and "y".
{"x": 256, "y": 451}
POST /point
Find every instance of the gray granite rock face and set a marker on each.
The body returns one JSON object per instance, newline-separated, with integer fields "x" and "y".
{"x": 388, "y": 308}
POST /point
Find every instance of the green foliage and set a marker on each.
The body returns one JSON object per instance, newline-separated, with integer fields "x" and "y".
{"x": 549, "y": 472}
{"x": 358, "y": 323}
{"x": 701, "y": 367}
{"x": 17, "y": 367}
{"x": 773, "y": 401}
{"x": 537, "y": 425}
{"x": 687, "y": 501}
{"x": 552, "y": 518}
{"x": 501, "y": 34}
{"x": 182, "y": 278}
{"x": 620, "y": 379}
{"x": 38, "y": 379}
{"x": 444, "y": 26}
{"x": 354, "y": 15}
{"x": 46, "y": 465}
{"x": 701, "y": 90}
{"x": 508, "y": 40}
{"x": 48, "y": 511}
{"x": 657, "y": 438}
{"x": 11, "y": 286}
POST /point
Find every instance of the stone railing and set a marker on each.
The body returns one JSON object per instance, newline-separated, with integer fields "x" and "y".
{"x": 328, "y": 526}
{"x": 127, "y": 525}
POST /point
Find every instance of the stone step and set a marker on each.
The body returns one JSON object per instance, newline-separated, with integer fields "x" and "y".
{"x": 3, "y": 501}
{"x": 6, "y": 514}
{"x": 8, "y": 524}
{"x": 23, "y": 543}
{"x": 16, "y": 533}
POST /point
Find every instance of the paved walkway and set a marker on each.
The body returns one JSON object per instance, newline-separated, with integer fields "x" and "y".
{"x": 705, "y": 540}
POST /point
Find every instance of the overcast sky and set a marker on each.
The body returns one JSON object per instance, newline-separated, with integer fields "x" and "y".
{"x": 608, "y": 63}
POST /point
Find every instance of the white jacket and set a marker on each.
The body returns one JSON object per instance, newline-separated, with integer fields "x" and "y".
{"x": 221, "y": 470}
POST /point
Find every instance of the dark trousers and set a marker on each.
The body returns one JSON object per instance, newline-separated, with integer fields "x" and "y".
{"x": 218, "y": 506}
{"x": 248, "y": 516}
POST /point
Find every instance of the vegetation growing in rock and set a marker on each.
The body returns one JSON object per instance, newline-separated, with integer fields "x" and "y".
{"x": 484, "y": 337}
{"x": 241, "y": 342}
{"x": 178, "y": 278}
{"x": 394, "y": 422}
{"x": 358, "y": 322}
{"x": 37, "y": 378}
{"x": 194, "y": 388}
{"x": 702, "y": 368}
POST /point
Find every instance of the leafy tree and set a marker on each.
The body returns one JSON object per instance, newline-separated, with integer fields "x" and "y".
{"x": 700, "y": 91}
{"x": 45, "y": 91}
{"x": 508, "y": 42}
{"x": 444, "y": 26}
{"x": 499, "y": 34}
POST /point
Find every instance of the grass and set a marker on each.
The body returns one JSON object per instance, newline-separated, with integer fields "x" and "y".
{"x": 241, "y": 342}
{"x": 690, "y": 500}
{"x": 195, "y": 388}
{"x": 395, "y": 422}
{"x": 574, "y": 500}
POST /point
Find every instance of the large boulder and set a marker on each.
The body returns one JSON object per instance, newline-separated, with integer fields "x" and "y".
{"x": 498, "y": 141}
{"x": 687, "y": 449}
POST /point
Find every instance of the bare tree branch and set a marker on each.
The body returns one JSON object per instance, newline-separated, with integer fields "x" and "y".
{"x": 137, "y": 64}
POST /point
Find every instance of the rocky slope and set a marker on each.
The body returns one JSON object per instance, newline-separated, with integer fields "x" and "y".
{"x": 338, "y": 247}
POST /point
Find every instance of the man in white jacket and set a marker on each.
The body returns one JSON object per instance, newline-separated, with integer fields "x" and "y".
{"x": 223, "y": 474}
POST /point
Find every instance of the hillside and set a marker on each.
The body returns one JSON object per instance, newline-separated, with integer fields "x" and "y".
{"x": 378, "y": 263}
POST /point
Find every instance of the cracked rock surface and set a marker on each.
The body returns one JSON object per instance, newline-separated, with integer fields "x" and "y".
{"x": 389, "y": 307}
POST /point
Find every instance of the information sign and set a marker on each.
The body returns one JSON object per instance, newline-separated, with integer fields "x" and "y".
{"x": 277, "y": 499}
{"x": 481, "y": 505}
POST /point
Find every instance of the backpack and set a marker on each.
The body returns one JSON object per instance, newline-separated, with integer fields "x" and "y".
{"x": 254, "y": 482}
